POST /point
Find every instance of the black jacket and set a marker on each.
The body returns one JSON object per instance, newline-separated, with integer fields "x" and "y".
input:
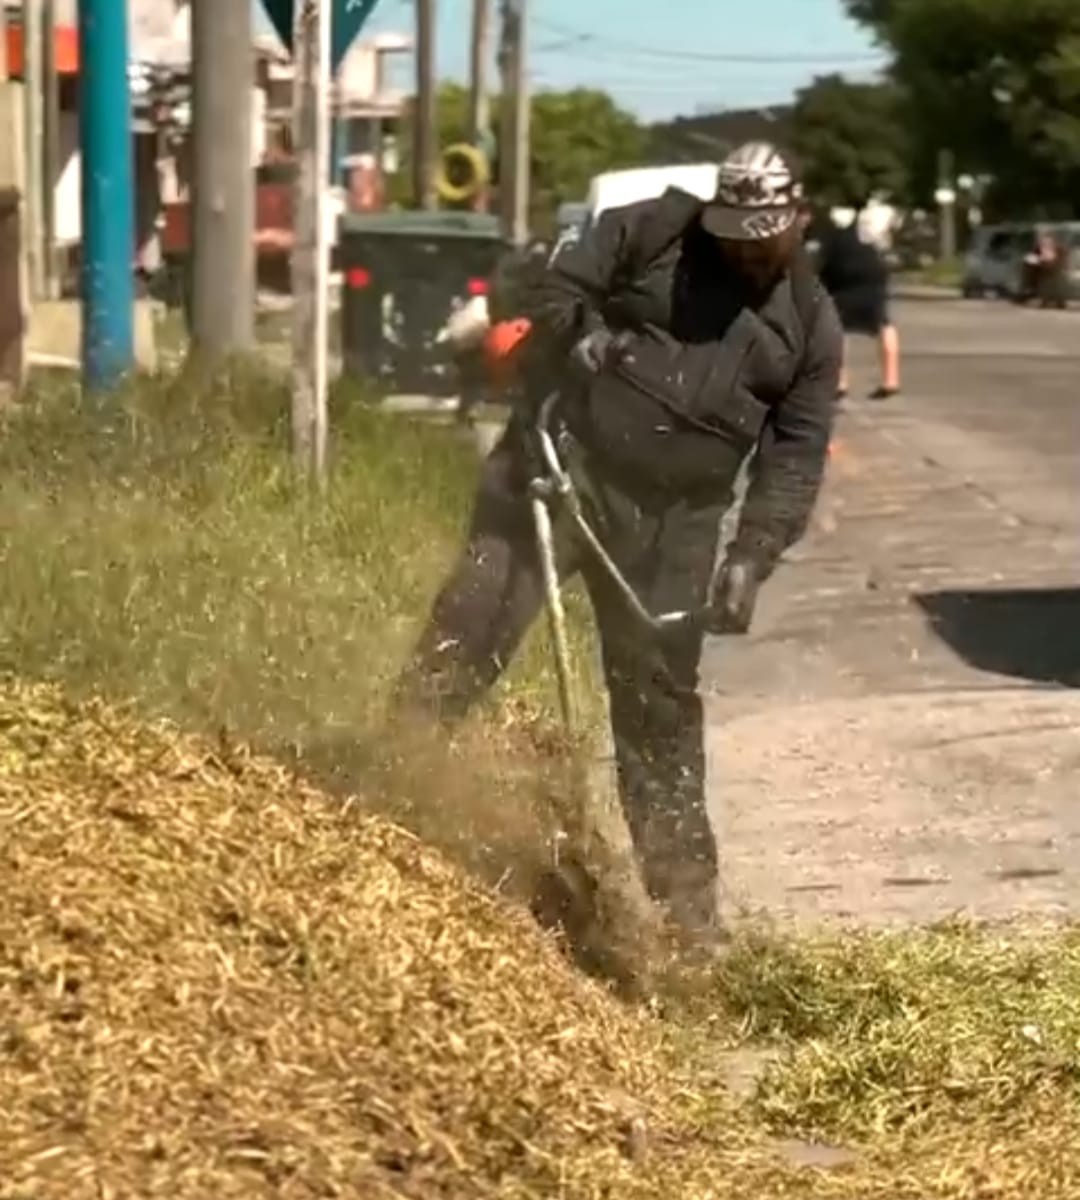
{"x": 741, "y": 368}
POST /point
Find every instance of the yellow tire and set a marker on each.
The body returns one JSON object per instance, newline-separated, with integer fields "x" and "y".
{"x": 479, "y": 173}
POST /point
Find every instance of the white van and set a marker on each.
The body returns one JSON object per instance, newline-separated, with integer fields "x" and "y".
{"x": 616, "y": 188}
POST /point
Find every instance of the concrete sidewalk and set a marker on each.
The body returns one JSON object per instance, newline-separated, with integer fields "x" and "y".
{"x": 899, "y": 739}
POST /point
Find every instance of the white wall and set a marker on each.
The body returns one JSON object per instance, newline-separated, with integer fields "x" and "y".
{"x": 68, "y": 183}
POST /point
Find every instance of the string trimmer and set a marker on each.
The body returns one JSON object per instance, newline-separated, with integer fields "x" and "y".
{"x": 556, "y": 488}
{"x": 596, "y": 877}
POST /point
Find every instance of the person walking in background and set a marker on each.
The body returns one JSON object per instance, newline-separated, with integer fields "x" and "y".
{"x": 854, "y": 273}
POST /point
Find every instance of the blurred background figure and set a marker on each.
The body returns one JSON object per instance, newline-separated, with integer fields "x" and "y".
{"x": 854, "y": 272}
{"x": 1045, "y": 274}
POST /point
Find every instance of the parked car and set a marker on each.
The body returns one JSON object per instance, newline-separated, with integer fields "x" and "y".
{"x": 995, "y": 262}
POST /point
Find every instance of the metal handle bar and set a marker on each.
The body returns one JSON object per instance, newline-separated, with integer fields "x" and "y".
{"x": 559, "y": 483}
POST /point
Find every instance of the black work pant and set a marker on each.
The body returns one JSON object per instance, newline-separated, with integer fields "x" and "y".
{"x": 666, "y": 551}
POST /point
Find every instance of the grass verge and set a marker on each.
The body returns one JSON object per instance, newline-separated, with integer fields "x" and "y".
{"x": 944, "y": 274}
{"x": 153, "y": 545}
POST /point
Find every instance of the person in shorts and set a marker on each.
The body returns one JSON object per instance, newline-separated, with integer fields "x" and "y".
{"x": 854, "y": 273}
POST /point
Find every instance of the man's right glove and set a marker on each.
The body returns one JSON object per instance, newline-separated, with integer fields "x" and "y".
{"x": 734, "y": 595}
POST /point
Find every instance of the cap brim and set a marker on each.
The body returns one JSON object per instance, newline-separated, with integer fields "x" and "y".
{"x": 748, "y": 224}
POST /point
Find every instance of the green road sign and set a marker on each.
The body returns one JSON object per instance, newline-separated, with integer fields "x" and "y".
{"x": 349, "y": 18}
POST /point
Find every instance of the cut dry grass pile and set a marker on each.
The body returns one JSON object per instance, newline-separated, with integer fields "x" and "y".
{"x": 215, "y": 982}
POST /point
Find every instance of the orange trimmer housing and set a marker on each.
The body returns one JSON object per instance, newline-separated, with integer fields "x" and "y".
{"x": 503, "y": 344}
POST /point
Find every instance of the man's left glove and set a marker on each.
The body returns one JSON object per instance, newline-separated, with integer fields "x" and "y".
{"x": 734, "y": 595}
{"x": 597, "y": 349}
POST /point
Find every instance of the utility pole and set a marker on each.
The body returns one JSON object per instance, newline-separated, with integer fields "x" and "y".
{"x": 424, "y": 148}
{"x": 223, "y": 184}
{"x": 108, "y": 193}
{"x": 311, "y": 250}
{"x": 34, "y": 113}
{"x": 50, "y": 149}
{"x": 946, "y": 198}
{"x": 514, "y": 125}
{"x": 479, "y": 106}
{"x": 479, "y": 129}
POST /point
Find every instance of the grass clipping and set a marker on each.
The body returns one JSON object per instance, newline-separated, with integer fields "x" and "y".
{"x": 215, "y": 983}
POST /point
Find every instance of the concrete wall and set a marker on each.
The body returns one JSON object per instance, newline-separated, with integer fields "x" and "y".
{"x": 55, "y": 334}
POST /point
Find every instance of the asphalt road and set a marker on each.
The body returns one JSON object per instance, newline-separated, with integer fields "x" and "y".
{"x": 899, "y": 738}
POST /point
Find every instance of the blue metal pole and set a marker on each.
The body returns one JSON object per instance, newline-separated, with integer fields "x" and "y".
{"x": 108, "y": 200}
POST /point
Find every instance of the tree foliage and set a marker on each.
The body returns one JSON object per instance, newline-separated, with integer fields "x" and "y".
{"x": 851, "y": 140}
{"x": 995, "y": 81}
{"x": 575, "y": 135}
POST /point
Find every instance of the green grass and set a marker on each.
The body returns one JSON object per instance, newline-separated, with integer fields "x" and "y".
{"x": 153, "y": 548}
{"x": 947, "y": 273}
{"x": 912, "y": 1039}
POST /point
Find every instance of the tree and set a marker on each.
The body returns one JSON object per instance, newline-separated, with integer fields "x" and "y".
{"x": 575, "y": 135}
{"x": 851, "y": 140}
{"x": 708, "y": 137}
{"x": 997, "y": 82}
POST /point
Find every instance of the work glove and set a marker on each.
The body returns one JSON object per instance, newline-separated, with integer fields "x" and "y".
{"x": 734, "y": 595}
{"x": 597, "y": 349}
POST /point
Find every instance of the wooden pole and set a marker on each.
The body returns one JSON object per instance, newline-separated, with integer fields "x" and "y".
{"x": 34, "y": 112}
{"x": 479, "y": 103}
{"x": 424, "y": 147}
{"x": 479, "y": 127}
{"x": 310, "y": 263}
{"x": 51, "y": 150}
{"x": 514, "y": 124}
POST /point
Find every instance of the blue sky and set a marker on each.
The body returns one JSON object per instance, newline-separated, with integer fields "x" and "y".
{"x": 666, "y": 57}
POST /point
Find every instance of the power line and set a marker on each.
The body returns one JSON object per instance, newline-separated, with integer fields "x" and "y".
{"x": 644, "y": 86}
{"x": 662, "y": 70}
{"x": 586, "y": 38}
